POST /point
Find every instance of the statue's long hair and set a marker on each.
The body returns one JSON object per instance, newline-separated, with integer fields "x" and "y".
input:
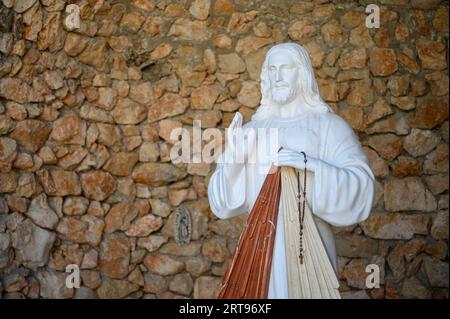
{"x": 307, "y": 86}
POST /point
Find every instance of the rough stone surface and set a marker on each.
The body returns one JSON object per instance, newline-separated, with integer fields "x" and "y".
{"x": 32, "y": 243}
{"x": 87, "y": 229}
{"x": 97, "y": 185}
{"x": 408, "y": 194}
{"x": 163, "y": 265}
{"x": 31, "y": 134}
{"x": 114, "y": 257}
{"x": 41, "y": 213}
{"x": 86, "y": 175}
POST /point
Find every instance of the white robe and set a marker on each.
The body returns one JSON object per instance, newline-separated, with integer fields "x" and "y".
{"x": 343, "y": 190}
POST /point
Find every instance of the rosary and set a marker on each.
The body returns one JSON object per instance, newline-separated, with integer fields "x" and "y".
{"x": 301, "y": 207}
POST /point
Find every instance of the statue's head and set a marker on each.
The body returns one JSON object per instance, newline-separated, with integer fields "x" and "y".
{"x": 287, "y": 75}
{"x": 282, "y": 71}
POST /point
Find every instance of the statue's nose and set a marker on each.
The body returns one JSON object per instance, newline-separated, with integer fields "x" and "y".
{"x": 279, "y": 76}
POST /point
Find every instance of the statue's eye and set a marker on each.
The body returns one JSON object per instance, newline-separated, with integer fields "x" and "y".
{"x": 288, "y": 67}
{"x": 272, "y": 68}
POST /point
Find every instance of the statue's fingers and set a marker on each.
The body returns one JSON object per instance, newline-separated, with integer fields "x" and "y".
{"x": 239, "y": 119}
{"x": 236, "y": 121}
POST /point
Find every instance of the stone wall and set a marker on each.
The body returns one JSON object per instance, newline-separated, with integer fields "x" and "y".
{"x": 85, "y": 116}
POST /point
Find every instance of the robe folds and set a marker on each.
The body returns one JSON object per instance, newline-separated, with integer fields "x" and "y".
{"x": 341, "y": 190}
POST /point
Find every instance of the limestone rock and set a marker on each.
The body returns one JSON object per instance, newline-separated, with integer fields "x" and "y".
{"x": 163, "y": 265}
{"x": 116, "y": 289}
{"x": 107, "y": 98}
{"x": 52, "y": 285}
{"x": 406, "y": 166}
{"x": 355, "y": 274}
{"x": 69, "y": 129}
{"x": 332, "y": 32}
{"x": 75, "y": 44}
{"x": 360, "y": 37}
{"x": 87, "y": 229}
{"x": 215, "y": 249}
{"x": 152, "y": 242}
{"x": 430, "y": 113}
{"x": 97, "y": 185}
{"x": 354, "y": 246}
{"x": 166, "y": 127}
{"x": 162, "y": 51}
{"x": 231, "y": 63}
{"x": 395, "y": 226}
{"x": 154, "y": 283}
{"x": 388, "y": 146}
{"x": 439, "y": 228}
{"x": 420, "y": 142}
{"x": 75, "y": 205}
{"x": 52, "y": 35}
{"x": 361, "y": 93}
{"x": 31, "y": 134}
{"x": 412, "y": 288}
{"x": 353, "y": 59}
{"x": 398, "y": 85}
{"x": 120, "y": 217}
{"x": 251, "y": 44}
{"x": 301, "y": 30}
{"x": 127, "y": 111}
{"x": 121, "y": 164}
{"x": 204, "y": 97}
{"x": 97, "y": 56}
{"x": 437, "y": 272}
{"x": 41, "y": 213}
{"x": 197, "y": 266}
{"x": 437, "y": 183}
{"x": 32, "y": 243}
{"x": 144, "y": 226}
{"x": 142, "y": 93}
{"x": 115, "y": 256}
{"x": 157, "y": 174}
{"x": 182, "y": 284}
{"x": 132, "y": 21}
{"x": 383, "y": 61}
{"x": 159, "y": 207}
{"x": 250, "y": 94}
{"x": 185, "y": 29}
{"x": 8, "y": 153}
{"x": 168, "y": 105}
{"x": 207, "y": 287}
{"x": 59, "y": 182}
{"x": 437, "y": 160}
{"x": 148, "y": 152}
{"x": 408, "y": 194}
{"x": 398, "y": 126}
{"x": 431, "y": 54}
{"x": 21, "y": 6}
{"x": 191, "y": 249}
{"x": 240, "y": 22}
{"x": 200, "y": 9}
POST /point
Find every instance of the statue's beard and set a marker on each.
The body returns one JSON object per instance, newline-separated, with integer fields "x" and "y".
{"x": 283, "y": 94}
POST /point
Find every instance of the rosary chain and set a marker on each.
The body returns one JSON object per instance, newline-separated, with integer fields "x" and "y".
{"x": 301, "y": 206}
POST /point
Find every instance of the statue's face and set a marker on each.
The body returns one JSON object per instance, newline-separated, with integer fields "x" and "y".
{"x": 283, "y": 77}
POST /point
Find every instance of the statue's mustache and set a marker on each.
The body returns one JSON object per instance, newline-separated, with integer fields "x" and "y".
{"x": 281, "y": 85}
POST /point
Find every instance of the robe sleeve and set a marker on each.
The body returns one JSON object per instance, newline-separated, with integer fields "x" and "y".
{"x": 227, "y": 192}
{"x": 344, "y": 184}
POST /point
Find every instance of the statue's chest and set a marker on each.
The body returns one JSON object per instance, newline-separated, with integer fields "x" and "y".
{"x": 300, "y": 138}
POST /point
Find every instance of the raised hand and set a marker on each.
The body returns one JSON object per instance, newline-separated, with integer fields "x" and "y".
{"x": 238, "y": 145}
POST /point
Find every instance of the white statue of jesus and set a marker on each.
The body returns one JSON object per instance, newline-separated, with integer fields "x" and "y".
{"x": 343, "y": 184}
